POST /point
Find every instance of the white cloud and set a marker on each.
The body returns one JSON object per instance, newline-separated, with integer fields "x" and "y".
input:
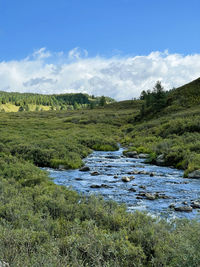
{"x": 77, "y": 53}
{"x": 118, "y": 77}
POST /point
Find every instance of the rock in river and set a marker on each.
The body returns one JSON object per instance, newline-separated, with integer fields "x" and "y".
{"x": 131, "y": 154}
{"x": 150, "y": 196}
{"x": 194, "y": 174}
{"x": 84, "y": 169}
{"x": 160, "y": 159}
{"x": 132, "y": 190}
{"x": 183, "y": 208}
{"x": 94, "y": 173}
{"x": 100, "y": 186}
{"x": 195, "y": 204}
{"x": 143, "y": 156}
{"x": 95, "y": 186}
{"x": 125, "y": 179}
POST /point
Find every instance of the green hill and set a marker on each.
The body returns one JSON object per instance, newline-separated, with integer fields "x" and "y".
{"x": 12, "y": 102}
{"x": 186, "y": 95}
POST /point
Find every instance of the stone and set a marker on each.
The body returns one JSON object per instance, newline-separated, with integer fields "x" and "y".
{"x": 94, "y": 173}
{"x": 183, "y": 208}
{"x": 195, "y": 204}
{"x": 143, "y": 156}
{"x": 151, "y": 174}
{"x": 162, "y": 196}
{"x": 126, "y": 179}
{"x": 172, "y": 206}
{"x": 132, "y": 190}
{"x": 139, "y": 197}
{"x": 95, "y": 186}
{"x": 60, "y": 167}
{"x": 194, "y": 174}
{"x": 115, "y": 176}
{"x": 131, "y": 154}
{"x": 150, "y": 196}
{"x": 78, "y": 179}
{"x": 84, "y": 169}
{"x": 160, "y": 159}
{"x": 141, "y": 194}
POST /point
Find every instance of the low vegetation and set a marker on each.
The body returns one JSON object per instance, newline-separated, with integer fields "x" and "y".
{"x": 42, "y": 224}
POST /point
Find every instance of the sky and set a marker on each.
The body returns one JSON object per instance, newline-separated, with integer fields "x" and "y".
{"x": 115, "y": 48}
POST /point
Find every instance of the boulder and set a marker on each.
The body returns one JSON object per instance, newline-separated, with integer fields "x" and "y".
{"x": 139, "y": 197}
{"x": 131, "y": 154}
{"x": 141, "y": 194}
{"x": 94, "y": 173}
{"x": 160, "y": 159}
{"x": 125, "y": 179}
{"x": 172, "y": 206}
{"x": 195, "y": 204}
{"x": 150, "y": 196}
{"x": 194, "y": 174}
{"x": 84, "y": 169}
{"x": 162, "y": 196}
{"x": 151, "y": 174}
{"x": 132, "y": 190}
{"x": 183, "y": 208}
{"x": 143, "y": 156}
{"x": 115, "y": 176}
{"x": 184, "y": 203}
{"x": 95, "y": 186}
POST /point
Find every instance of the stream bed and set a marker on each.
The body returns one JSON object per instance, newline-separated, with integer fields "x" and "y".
{"x": 105, "y": 178}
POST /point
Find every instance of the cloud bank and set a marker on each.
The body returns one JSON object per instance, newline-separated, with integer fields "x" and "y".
{"x": 118, "y": 77}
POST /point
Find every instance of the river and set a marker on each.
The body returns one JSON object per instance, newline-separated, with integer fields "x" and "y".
{"x": 166, "y": 183}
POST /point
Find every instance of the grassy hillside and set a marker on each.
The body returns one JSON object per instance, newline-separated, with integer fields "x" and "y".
{"x": 186, "y": 95}
{"x": 168, "y": 126}
{"x": 13, "y": 102}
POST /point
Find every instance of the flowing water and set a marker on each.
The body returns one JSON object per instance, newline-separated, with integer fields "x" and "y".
{"x": 166, "y": 182}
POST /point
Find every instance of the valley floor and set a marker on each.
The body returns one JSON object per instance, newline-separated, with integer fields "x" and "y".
{"x": 43, "y": 224}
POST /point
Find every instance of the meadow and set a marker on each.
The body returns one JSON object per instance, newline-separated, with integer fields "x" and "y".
{"x": 42, "y": 224}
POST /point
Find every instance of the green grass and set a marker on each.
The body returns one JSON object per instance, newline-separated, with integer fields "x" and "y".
{"x": 43, "y": 224}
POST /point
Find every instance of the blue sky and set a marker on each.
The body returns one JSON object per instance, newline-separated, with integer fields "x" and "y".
{"x": 100, "y": 26}
{"x": 108, "y": 33}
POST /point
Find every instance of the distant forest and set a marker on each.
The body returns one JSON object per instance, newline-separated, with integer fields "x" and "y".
{"x": 54, "y": 102}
